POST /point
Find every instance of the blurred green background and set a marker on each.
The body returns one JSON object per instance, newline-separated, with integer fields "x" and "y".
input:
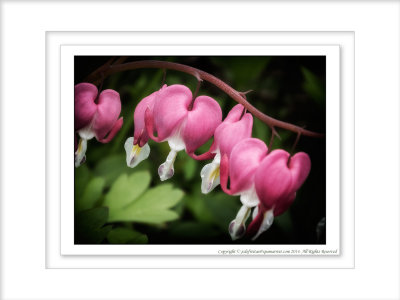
{"x": 119, "y": 205}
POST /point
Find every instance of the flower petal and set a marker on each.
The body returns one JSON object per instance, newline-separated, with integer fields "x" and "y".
{"x": 244, "y": 160}
{"x": 134, "y": 153}
{"x": 273, "y": 179}
{"x": 300, "y": 166}
{"x": 108, "y": 110}
{"x": 80, "y": 153}
{"x": 237, "y": 228}
{"x": 268, "y": 219}
{"x": 233, "y": 129}
{"x": 201, "y": 122}
{"x": 170, "y": 109}
{"x": 249, "y": 197}
{"x": 114, "y": 130}
{"x": 166, "y": 170}
{"x": 140, "y": 132}
{"x": 210, "y": 175}
{"x": 85, "y": 108}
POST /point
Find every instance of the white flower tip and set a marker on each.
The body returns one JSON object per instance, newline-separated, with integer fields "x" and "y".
{"x": 209, "y": 177}
{"x": 80, "y": 154}
{"x": 134, "y": 153}
{"x": 79, "y": 161}
{"x": 236, "y": 230}
{"x": 166, "y": 170}
{"x": 266, "y": 223}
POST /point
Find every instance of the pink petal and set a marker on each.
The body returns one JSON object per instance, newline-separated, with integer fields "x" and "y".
{"x": 300, "y": 166}
{"x": 170, "y": 109}
{"x": 224, "y": 174}
{"x": 243, "y": 163}
{"x": 255, "y": 224}
{"x": 201, "y": 122}
{"x": 228, "y": 134}
{"x": 85, "y": 108}
{"x": 140, "y": 133}
{"x": 108, "y": 110}
{"x": 273, "y": 179}
{"x": 284, "y": 204}
{"x": 114, "y": 130}
{"x": 234, "y": 114}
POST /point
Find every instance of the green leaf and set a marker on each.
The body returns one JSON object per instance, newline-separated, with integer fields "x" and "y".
{"x": 89, "y": 226}
{"x": 313, "y": 86}
{"x": 111, "y": 167}
{"x": 126, "y": 189}
{"x": 126, "y": 236}
{"x": 82, "y": 177}
{"x": 91, "y": 194}
{"x": 152, "y": 207}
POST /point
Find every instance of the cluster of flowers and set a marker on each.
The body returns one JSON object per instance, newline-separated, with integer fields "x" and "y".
{"x": 267, "y": 181}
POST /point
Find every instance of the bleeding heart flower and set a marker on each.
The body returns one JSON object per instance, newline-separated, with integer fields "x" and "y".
{"x": 277, "y": 179}
{"x": 95, "y": 116}
{"x": 236, "y": 127}
{"x": 136, "y": 147}
{"x": 245, "y": 158}
{"x": 185, "y": 125}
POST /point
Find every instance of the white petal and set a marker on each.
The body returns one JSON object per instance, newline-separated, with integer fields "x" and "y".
{"x": 87, "y": 133}
{"x": 255, "y": 213}
{"x": 166, "y": 170}
{"x": 210, "y": 176}
{"x": 80, "y": 156}
{"x": 266, "y": 223}
{"x": 249, "y": 197}
{"x": 176, "y": 142}
{"x": 134, "y": 153}
{"x": 237, "y": 228}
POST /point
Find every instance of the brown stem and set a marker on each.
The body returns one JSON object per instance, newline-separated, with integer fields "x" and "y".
{"x": 194, "y": 96}
{"x": 295, "y": 143}
{"x": 201, "y": 75}
{"x": 271, "y": 141}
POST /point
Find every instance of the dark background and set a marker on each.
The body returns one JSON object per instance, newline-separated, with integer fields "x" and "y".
{"x": 289, "y": 88}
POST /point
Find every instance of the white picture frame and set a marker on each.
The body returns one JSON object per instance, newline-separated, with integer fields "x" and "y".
{"x": 28, "y": 262}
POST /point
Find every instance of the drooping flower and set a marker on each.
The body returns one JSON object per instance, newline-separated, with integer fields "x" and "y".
{"x": 236, "y": 127}
{"x": 136, "y": 147}
{"x": 95, "y": 116}
{"x": 277, "y": 180}
{"x": 184, "y": 124}
{"x": 245, "y": 158}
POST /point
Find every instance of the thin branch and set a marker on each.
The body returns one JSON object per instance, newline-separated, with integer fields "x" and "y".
{"x": 199, "y": 74}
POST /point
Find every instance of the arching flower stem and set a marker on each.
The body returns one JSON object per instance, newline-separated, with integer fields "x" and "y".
{"x": 110, "y": 68}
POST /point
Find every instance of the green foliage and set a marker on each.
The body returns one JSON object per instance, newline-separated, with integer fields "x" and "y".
{"x": 126, "y": 236}
{"x": 111, "y": 167}
{"x": 125, "y": 190}
{"x": 152, "y": 207}
{"x": 90, "y": 227}
{"x": 314, "y": 86}
{"x": 91, "y": 194}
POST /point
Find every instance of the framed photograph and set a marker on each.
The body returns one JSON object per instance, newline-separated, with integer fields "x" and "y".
{"x": 190, "y": 207}
{"x": 151, "y": 153}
